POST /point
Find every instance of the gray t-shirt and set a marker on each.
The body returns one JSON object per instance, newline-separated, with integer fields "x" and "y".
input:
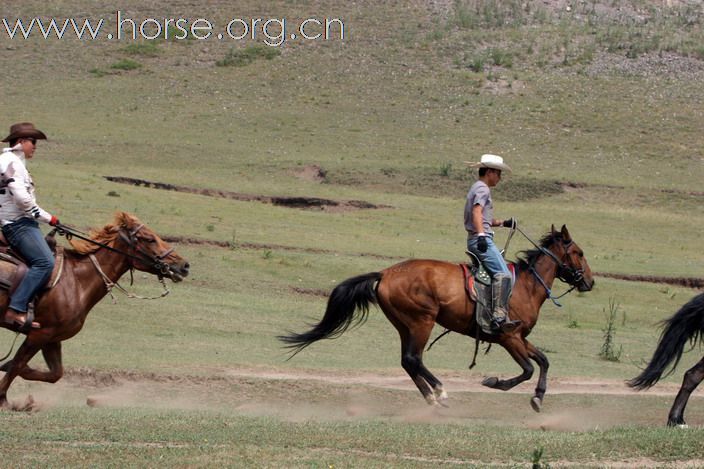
{"x": 479, "y": 194}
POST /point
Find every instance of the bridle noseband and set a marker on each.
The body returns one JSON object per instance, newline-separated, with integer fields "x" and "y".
{"x": 566, "y": 273}
{"x": 156, "y": 261}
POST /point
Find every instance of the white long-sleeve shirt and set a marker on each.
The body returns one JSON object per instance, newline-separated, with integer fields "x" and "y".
{"x": 17, "y": 198}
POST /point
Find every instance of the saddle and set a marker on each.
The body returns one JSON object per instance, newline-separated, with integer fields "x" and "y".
{"x": 13, "y": 269}
{"x": 477, "y": 285}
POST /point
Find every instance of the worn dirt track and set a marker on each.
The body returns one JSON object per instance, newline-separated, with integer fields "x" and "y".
{"x": 242, "y": 380}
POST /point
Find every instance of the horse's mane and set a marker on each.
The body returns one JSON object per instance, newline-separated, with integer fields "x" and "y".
{"x": 528, "y": 258}
{"x": 106, "y": 235}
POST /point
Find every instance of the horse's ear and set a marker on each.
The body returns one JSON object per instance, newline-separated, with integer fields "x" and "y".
{"x": 552, "y": 230}
{"x": 565, "y": 234}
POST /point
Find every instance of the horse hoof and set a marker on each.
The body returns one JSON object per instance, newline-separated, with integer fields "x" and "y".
{"x": 490, "y": 382}
{"x": 536, "y": 403}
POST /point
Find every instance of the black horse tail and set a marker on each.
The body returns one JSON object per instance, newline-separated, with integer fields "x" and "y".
{"x": 686, "y": 324}
{"x": 348, "y": 305}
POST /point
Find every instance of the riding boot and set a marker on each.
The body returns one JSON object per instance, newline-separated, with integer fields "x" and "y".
{"x": 500, "y": 296}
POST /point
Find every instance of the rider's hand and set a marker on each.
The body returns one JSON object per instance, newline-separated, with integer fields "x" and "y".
{"x": 482, "y": 246}
{"x": 509, "y": 223}
{"x": 54, "y": 221}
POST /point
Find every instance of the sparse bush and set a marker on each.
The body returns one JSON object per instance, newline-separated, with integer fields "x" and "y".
{"x": 501, "y": 58}
{"x": 126, "y": 64}
{"x": 476, "y": 64}
{"x": 113, "y": 194}
{"x": 608, "y": 351}
{"x": 536, "y": 457}
{"x": 145, "y": 49}
{"x": 96, "y": 72}
{"x": 445, "y": 169}
{"x": 242, "y": 57}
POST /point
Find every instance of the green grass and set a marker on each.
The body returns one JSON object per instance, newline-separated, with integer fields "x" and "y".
{"x": 126, "y": 64}
{"x": 242, "y": 57}
{"x": 598, "y": 140}
{"x": 145, "y": 49}
{"x": 148, "y": 437}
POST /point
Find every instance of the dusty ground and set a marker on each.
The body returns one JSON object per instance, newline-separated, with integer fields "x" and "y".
{"x": 571, "y": 404}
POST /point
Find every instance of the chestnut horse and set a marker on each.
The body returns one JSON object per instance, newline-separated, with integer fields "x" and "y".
{"x": 89, "y": 270}
{"x": 416, "y": 294}
{"x": 684, "y": 326}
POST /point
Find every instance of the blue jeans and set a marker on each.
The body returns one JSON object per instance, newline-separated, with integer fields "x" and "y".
{"x": 25, "y": 237}
{"x": 492, "y": 260}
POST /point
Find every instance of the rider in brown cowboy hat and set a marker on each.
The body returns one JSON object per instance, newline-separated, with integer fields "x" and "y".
{"x": 19, "y": 213}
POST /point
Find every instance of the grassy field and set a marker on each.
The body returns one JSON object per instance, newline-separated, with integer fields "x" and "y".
{"x": 597, "y": 109}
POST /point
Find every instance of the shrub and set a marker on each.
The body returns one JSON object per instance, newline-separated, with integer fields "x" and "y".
{"x": 145, "y": 49}
{"x": 242, "y": 57}
{"x": 126, "y": 64}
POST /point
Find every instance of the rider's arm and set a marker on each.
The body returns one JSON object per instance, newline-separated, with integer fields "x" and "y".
{"x": 23, "y": 198}
{"x": 477, "y": 219}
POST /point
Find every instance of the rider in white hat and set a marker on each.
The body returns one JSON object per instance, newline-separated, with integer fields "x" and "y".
{"x": 478, "y": 221}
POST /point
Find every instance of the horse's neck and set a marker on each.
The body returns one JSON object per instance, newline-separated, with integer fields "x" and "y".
{"x": 90, "y": 285}
{"x": 546, "y": 269}
{"x": 112, "y": 264}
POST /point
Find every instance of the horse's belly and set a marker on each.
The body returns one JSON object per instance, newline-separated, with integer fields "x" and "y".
{"x": 456, "y": 318}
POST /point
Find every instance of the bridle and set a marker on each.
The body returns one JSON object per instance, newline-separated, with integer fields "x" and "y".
{"x": 138, "y": 254}
{"x": 130, "y": 237}
{"x": 566, "y": 273}
{"x": 157, "y": 261}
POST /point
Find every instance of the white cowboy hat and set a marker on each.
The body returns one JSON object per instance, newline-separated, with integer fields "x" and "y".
{"x": 490, "y": 161}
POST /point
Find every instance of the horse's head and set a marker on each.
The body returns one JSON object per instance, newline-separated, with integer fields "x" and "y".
{"x": 572, "y": 268}
{"x": 148, "y": 252}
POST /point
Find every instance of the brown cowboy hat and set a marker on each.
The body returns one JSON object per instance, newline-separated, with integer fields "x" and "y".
{"x": 24, "y": 130}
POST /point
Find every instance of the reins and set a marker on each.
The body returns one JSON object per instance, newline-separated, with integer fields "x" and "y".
{"x": 156, "y": 261}
{"x": 575, "y": 274}
{"x": 109, "y": 284}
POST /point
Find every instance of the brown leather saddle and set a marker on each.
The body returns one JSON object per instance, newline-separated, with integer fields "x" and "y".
{"x": 13, "y": 268}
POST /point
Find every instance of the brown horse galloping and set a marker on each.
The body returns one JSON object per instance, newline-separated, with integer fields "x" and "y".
{"x": 88, "y": 270}
{"x": 416, "y": 294}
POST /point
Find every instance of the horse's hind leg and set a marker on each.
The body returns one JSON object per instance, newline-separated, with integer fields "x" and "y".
{"x": 52, "y": 356}
{"x": 691, "y": 380}
{"x": 412, "y": 345}
{"x": 22, "y": 357}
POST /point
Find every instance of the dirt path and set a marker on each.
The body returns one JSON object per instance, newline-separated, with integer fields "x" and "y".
{"x": 571, "y": 403}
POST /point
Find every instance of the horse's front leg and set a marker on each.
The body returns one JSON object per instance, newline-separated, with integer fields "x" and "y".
{"x": 16, "y": 365}
{"x": 537, "y": 401}
{"x": 52, "y": 357}
{"x": 515, "y": 345}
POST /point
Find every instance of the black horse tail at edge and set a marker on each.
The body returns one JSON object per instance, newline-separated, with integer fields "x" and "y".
{"x": 687, "y": 324}
{"x": 347, "y": 307}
